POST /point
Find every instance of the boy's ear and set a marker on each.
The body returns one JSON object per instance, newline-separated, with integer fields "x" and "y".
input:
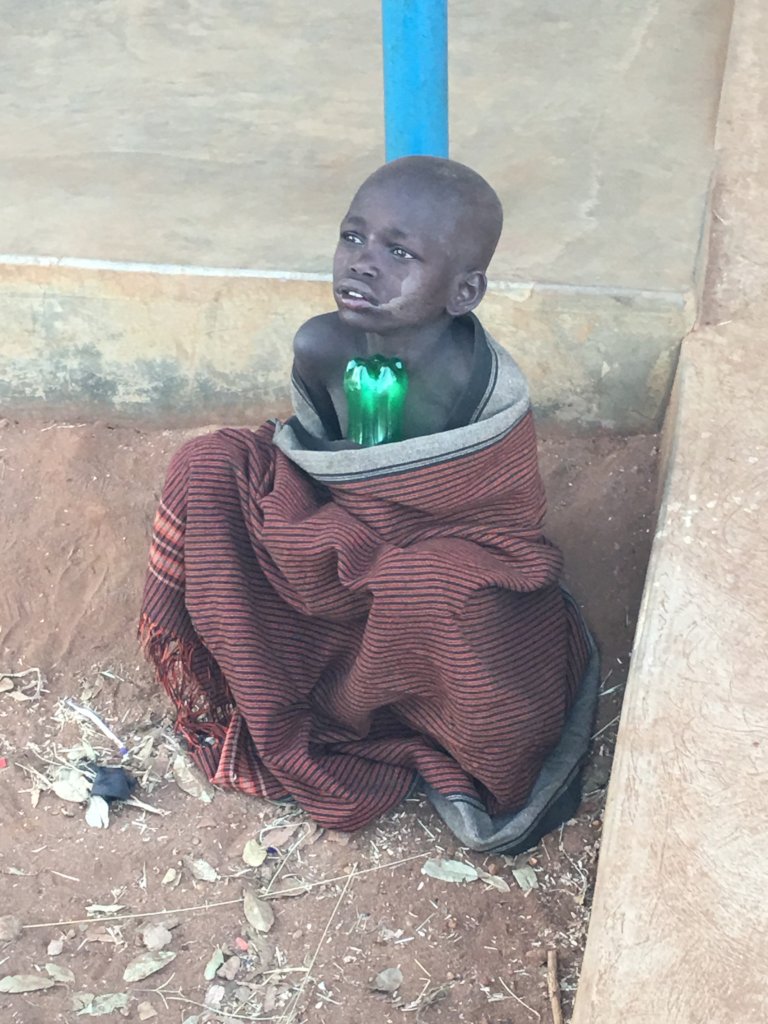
{"x": 467, "y": 294}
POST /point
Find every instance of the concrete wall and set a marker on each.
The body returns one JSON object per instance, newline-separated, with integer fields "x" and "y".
{"x": 231, "y": 134}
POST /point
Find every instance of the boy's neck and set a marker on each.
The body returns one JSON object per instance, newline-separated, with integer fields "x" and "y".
{"x": 415, "y": 345}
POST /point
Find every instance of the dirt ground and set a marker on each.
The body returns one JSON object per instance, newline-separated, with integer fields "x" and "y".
{"x": 76, "y": 503}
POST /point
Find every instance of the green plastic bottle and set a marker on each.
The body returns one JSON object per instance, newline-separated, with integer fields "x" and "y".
{"x": 375, "y": 389}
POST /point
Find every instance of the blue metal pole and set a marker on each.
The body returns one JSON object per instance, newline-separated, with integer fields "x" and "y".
{"x": 415, "y": 36}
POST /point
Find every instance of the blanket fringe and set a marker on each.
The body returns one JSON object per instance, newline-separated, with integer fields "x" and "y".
{"x": 177, "y": 666}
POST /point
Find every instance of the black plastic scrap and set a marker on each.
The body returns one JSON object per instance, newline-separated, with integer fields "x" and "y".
{"x": 111, "y": 783}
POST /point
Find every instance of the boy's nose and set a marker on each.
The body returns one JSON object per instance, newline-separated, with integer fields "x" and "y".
{"x": 364, "y": 264}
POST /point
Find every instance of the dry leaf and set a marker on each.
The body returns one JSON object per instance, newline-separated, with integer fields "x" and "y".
{"x": 71, "y": 785}
{"x": 281, "y": 836}
{"x": 143, "y": 752}
{"x": 190, "y": 781}
{"x": 155, "y": 936}
{"x": 97, "y": 812}
{"x": 269, "y": 1001}
{"x": 388, "y": 980}
{"x": 147, "y": 963}
{"x": 217, "y": 959}
{"x": 10, "y": 928}
{"x": 6, "y": 685}
{"x": 201, "y": 869}
{"x": 17, "y": 695}
{"x": 526, "y": 878}
{"x": 62, "y": 974}
{"x": 86, "y": 1004}
{"x": 13, "y": 983}
{"x": 449, "y": 870}
{"x": 103, "y": 908}
{"x": 495, "y": 880}
{"x": 98, "y": 933}
{"x": 55, "y": 946}
{"x": 258, "y": 912}
{"x": 146, "y": 1011}
{"x": 254, "y": 854}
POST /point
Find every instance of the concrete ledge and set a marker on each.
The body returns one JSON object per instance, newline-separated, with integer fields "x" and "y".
{"x": 185, "y": 345}
{"x": 679, "y": 911}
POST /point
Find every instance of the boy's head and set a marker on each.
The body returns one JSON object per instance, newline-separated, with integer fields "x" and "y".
{"x": 415, "y": 244}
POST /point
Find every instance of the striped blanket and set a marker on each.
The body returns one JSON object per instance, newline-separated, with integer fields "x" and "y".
{"x": 333, "y": 626}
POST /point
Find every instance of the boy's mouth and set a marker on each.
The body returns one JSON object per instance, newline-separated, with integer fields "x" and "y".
{"x": 354, "y": 298}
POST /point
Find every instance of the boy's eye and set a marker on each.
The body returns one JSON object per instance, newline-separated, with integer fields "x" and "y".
{"x": 402, "y": 254}
{"x": 350, "y": 236}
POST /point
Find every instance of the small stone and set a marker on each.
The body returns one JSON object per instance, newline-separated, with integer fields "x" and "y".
{"x": 388, "y": 980}
{"x": 342, "y": 838}
{"x": 229, "y": 968}
{"x": 155, "y": 936}
{"x": 146, "y": 1011}
{"x": 10, "y": 928}
{"x": 214, "y": 996}
{"x": 258, "y": 912}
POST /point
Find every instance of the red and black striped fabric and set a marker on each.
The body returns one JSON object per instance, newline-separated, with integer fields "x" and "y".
{"x": 329, "y": 641}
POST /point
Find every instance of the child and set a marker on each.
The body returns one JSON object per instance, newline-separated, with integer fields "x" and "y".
{"x": 409, "y": 267}
{"x": 334, "y": 622}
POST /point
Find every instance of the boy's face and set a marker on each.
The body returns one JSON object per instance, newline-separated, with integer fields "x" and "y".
{"x": 395, "y": 264}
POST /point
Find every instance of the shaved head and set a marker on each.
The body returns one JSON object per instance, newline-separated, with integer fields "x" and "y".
{"x": 467, "y": 210}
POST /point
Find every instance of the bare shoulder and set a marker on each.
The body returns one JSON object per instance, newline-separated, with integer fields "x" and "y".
{"x": 320, "y": 339}
{"x": 320, "y": 347}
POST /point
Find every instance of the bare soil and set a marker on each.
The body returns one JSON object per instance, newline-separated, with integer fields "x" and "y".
{"x": 76, "y": 503}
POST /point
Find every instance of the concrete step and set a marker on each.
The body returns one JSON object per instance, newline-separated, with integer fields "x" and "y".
{"x": 230, "y": 136}
{"x": 680, "y": 920}
{"x": 678, "y": 913}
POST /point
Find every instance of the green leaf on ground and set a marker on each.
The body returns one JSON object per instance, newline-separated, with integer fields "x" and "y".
{"x": 86, "y": 1004}
{"x": 525, "y": 877}
{"x": 13, "y": 983}
{"x": 449, "y": 870}
{"x": 147, "y": 963}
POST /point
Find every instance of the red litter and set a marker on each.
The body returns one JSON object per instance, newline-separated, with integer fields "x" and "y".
{"x": 3, "y": 762}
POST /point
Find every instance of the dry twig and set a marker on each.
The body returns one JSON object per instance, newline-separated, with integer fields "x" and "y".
{"x": 290, "y": 1013}
{"x": 553, "y": 987}
{"x": 517, "y": 999}
{"x": 295, "y": 890}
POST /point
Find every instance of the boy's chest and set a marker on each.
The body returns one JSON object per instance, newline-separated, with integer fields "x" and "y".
{"x": 432, "y": 395}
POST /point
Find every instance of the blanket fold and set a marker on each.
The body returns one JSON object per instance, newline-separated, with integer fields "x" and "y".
{"x": 332, "y": 625}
